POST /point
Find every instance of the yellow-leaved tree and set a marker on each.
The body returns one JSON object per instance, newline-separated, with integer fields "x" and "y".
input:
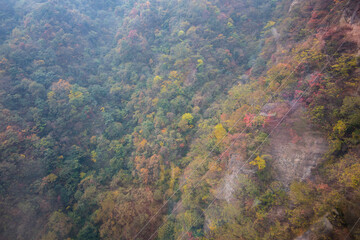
{"x": 259, "y": 161}
{"x": 186, "y": 121}
{"x": 219, "y": 132}
{"x": 188, "y": 118}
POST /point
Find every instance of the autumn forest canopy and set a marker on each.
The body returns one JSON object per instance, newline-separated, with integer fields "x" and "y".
{"x": 179, "y": 119}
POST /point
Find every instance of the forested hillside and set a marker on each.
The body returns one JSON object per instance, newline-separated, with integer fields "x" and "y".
{"x": 179, "y": 119}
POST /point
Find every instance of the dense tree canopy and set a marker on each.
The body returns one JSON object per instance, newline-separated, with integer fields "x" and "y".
{"x": 158, "y": 119}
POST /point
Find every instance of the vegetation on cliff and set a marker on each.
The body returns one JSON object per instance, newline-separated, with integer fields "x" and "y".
{"x": 158, "y": 119}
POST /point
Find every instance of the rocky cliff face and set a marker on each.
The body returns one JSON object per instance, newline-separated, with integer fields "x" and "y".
{"x": 321, "y": 228}
{"x": 295, "y": 146}
{"x": 230, "y": 182}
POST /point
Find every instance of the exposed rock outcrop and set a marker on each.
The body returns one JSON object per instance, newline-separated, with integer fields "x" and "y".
{"x": 295, "y": 146}
{"x": 230, "y": 181}
{"x": 319, "y": 230}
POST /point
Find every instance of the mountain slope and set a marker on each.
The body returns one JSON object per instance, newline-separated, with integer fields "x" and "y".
{"x": 179, "y": 119}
